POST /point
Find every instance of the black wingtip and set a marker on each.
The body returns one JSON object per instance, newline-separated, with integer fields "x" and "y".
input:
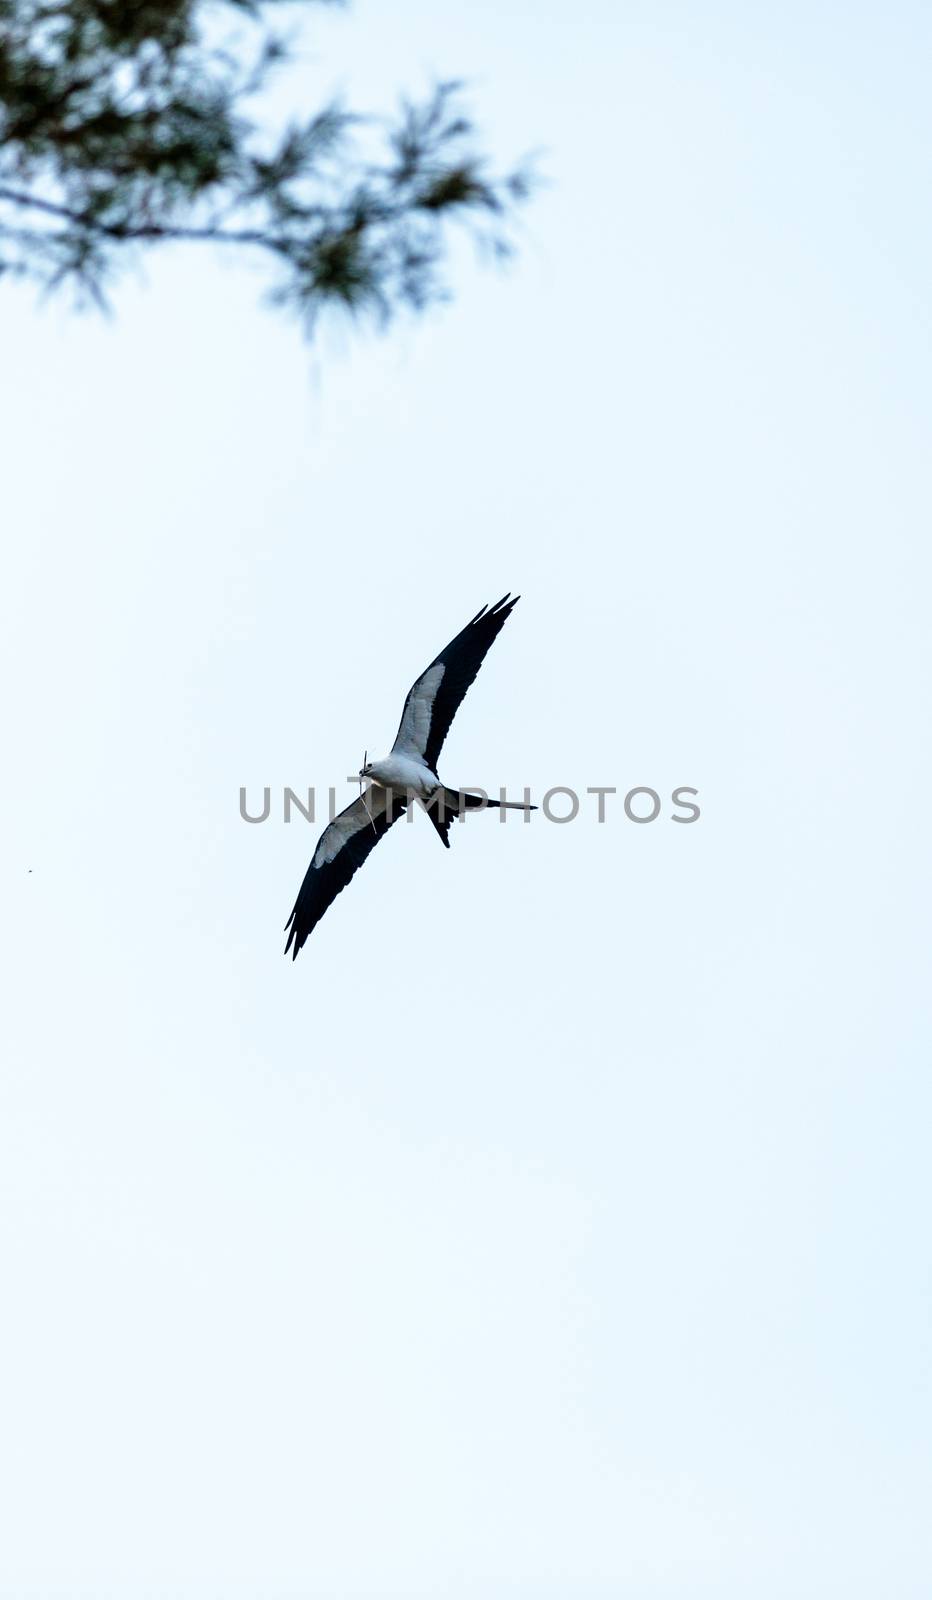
{"x": 504, "y": 605}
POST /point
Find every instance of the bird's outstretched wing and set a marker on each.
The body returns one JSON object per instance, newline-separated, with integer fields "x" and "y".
{"x": 341, "y": 849}
{"x": 435, "y": 698}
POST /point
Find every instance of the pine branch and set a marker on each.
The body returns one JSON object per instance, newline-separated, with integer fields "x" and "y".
{"x": 121, "y": 129}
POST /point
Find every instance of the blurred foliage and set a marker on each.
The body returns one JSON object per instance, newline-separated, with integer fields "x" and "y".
{"x": 130, "y": 123}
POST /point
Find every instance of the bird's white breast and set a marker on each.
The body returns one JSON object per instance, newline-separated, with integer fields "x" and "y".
{"x": 404, "y": 772}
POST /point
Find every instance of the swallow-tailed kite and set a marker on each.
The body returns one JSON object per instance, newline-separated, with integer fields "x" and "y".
{"x": 408, "y": 773}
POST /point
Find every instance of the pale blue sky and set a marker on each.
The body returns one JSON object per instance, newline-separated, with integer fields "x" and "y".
{"x": 558, "y": 1225}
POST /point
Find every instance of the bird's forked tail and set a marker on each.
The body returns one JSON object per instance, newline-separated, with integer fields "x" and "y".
{"x": 445, "y": 805}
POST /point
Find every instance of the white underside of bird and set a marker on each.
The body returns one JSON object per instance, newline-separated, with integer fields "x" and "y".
{"x": 405, "y": 773}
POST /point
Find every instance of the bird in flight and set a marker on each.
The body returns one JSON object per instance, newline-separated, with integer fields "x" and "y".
{"x": 408, "y": 773}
